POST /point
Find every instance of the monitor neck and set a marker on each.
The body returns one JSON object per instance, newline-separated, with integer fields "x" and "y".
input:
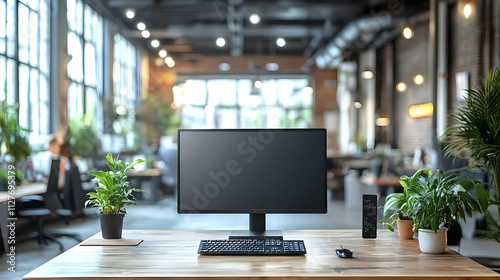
{"x": 257, "y": 225}
{"x": 257, "y": 222}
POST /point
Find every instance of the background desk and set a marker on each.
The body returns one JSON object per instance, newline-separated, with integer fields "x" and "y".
{"x": 5, "y": 197}
{"x": 170, "y": 254}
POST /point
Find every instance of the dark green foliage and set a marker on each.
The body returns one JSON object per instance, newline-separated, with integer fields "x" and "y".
{"x": 475, "y": 133}
{"x": 436, "y": 200}
{"x": 113, "y": 191}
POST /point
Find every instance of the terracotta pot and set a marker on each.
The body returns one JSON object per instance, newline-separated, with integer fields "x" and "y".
{"x": 405, "y": 229}
{"x": 431, "y": 242}
{"x": 111, "y": 225}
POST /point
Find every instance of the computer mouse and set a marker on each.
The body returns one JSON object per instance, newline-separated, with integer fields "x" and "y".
{"x": 343, "y": 253}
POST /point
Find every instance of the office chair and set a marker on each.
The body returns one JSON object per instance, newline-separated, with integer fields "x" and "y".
{"x": 44, "y": 207}
{"x": 73, "y": 194}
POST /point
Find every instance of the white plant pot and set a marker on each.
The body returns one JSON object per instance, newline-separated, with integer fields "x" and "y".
{"x": 431, "y": 242}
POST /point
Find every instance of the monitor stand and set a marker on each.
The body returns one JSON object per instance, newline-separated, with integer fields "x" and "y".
{"x": 257, "y": 229}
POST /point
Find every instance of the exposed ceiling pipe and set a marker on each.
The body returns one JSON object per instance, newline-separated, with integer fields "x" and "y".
{"x": 356, "y": 35}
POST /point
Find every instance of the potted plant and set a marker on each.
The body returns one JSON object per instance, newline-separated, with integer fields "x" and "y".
{"x": 112, "y": 194}
{"x": 473, "y": 134}
{"x": 14, "y": 145}
{"x": 436, "y": 200}
{"x": 397, "y": 204}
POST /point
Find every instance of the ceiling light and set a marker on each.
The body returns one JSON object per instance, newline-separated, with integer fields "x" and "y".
{"x": 257, "y": 84}
{"x": 220, "y": 42}
{"x": 145, "y": 34}
{"x": 141, "y": 26}
{"x": 367, "y": 74}
{"x": 418, "y": 79}
{"x": 155, "y": 43}
{"x": 169, "y": 61}
{"x": 224, "y": 66}
{"x": 467, "y": 11}
{"x": 401, "y": 87}
{"x": 254, "y": 18}
{"x": 408, "y": 32}
{"x": 162, "y": 53}
{"x": 280, "y": 42}
{"x": 272, "y": 66}
{"x": 130, "y": 13}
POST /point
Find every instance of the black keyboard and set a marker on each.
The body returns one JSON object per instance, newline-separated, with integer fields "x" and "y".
{"x": 252, "y": 247}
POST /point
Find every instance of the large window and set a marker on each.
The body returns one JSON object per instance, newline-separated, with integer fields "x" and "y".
{"x": 85, "y": 70}
{"x": 125, "y": 83}
{"x": 24, "y": 68}
{"x": 239, "y": 103}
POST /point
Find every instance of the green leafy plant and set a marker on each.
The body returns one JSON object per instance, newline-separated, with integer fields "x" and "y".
{"x": 113, "y": 191}
{"x": 396, "y": 203}
{"x": 474, "y": 133}
{"x": 83, "y": 135}
{"x": 157, "y": 117}
{"x": 13, "y": 140}
{"x": 436, "y": 200}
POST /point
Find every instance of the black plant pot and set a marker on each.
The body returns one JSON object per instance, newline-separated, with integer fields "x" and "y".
{"x": 111, "y": 225}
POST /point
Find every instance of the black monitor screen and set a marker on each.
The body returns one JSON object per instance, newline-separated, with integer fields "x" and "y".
{"x": 252, "y": 171}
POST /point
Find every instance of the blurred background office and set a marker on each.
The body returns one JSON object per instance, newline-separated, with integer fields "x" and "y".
{"x": 122, "y": 76}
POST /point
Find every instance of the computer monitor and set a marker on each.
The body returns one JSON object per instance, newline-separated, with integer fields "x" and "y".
{"x": 254, "y": 171}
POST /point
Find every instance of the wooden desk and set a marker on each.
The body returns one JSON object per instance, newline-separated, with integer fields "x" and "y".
{"x": 149, "y": 180}
{"x": 170, "y": 254}
{"x": 382, "y": 181}
{"x": 23, "y": 190}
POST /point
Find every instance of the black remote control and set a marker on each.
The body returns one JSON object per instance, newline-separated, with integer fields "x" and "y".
{"x": 369, "y": 216}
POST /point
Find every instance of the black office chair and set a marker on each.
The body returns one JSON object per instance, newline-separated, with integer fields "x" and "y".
{"x": 44, "y": 207}
{"x": 73, "y": 194}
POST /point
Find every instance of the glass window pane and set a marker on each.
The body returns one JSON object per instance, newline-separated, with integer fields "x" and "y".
{"x": 88, "y": 23}
{"x": 24, "y": 81}
{"x": 3, "y": 77}
{"x": 90, "y": 70}
{"x": 11, "y": 28}
{"x": 24, "y": 33}
{"x": 91, "y": 101}
{"x": 75, "y": 67}
{"x": 193, "y": 117}
{"x": 44, "y": 57}
{"x": 33, "y": 4}
{"x": 79, "y": 17}
{"x": 195, "y": 92}
{"x": 34, "y": 104}
{"x": 75, "y": 100}
{"x": 71, "y": 15}
{"x": 3, "y": 26}
{"x": 33, "y": 39}
{"x": 11, "y": 81}
{"x": 247, "y": 96}
{"x": 227, "y": 118}
{"x": 44, "y": 105}
{"x": 221, "y": 92}
{"x": 268, "y": 92}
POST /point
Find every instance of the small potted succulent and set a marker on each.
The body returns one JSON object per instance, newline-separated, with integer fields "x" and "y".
{"x": 436, "y": 200}
{"x": 112, "y": 194}
{"x": 397, "y": 204}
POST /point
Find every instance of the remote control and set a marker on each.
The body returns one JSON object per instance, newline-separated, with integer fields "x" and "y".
{"x": 369, "y": 216}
